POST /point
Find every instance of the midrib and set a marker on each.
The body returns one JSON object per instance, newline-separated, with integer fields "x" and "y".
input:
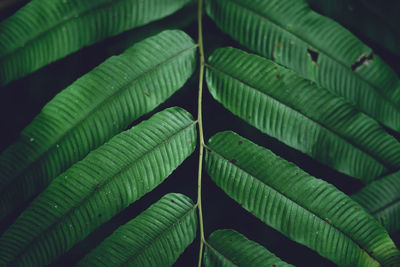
{"x": 97, "y": 190}
{"x": 81, "y": 120}
{"x": 342, "y": 64}
{"x": 356, "y": 146}
{"x": 293, "y": 201}
{"x": 57, "y": 25}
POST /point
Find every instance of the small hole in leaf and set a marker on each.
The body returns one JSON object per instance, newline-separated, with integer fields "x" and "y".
{"x": 314, "y": 55}
{"x": 364, "y": 60}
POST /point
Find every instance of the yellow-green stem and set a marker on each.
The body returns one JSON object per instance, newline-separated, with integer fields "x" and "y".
{"x": 200, "y": 124}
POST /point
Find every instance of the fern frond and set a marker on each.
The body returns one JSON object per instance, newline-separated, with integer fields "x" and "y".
{"x": 230, "y": 248}
{"x": 307, "y": 210}
{"x": 93, "y": 109}
{"x": 382, "y": 199}
{"x": 95, "y": 189}
{"x": 156, "y": 237}
{"x": 317, "y": 48}
{"x": 46, "y": 30}
{"x": 297, "y": 112}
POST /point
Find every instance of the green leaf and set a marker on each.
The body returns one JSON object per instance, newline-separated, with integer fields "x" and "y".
{"x": 46, "y": 30}
{"x": 230, "y": 248}
{"x": 317, "y": 48}
{"x": 297, "y": 112}
{"x": 93, "y": 190}
{"x": 382, "y": 199}
{"x": 154, "y": 238}
{"x": 376, "y": 20}
{"x": 93, "y": 109}
{"x": 307, "y": 210}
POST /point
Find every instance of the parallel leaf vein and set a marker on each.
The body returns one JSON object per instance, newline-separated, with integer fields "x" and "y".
{"x": 377, "y": 90}
{"x": 181, "y": 218}
{"x": 97, "y": 189}
{"x": 293, "y": 201}
{"x": 81, "y": 120}
{"x": 380, "y": 161}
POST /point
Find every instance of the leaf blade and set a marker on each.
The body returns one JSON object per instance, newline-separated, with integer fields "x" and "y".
{"x": 317, "y": 48}
{"x": 302, "y": 115}
{"x": 165, "y": 229}
{"x": 93, "y": 109}
{"x": 374, "y": 21}
{"x": 381, "y": 199}
{"x": 229, "y": 248}
{"x": 44, "y": 31}
{"x": 305, "y": 209}
{"x": 93, "y": 190}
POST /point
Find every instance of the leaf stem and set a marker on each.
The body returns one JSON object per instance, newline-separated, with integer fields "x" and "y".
{"x": 200, "y": 124}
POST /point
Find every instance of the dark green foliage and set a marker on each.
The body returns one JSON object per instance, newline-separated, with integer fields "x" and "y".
{"x": 46, "y": 30}
{"x": 77, "y": 187}
{"x": 95, "y": 189}
{"x": 230, "y": 248}
{"x": 93, "y": 109}
{"x": 316, "y": 47}
{"x": 165, "y": 229}
{"x": 382, "y": 199}
{"x": 377, "y": 20}
{"x": 300, "y": 114}
{"x": 307, "y": 210}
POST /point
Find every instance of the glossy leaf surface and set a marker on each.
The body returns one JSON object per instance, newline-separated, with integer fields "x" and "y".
{"x": 230, "y": 248}
{"x": 93, "y": 109}
{"x": 300, "y": 114}
{"x": 165, "y": 229}
{"x": 46, "y": 30}
{"x": 317, "y": 48}
{"x": 95, "y": 189}
{"x": 382, "y": 199}
{"x": 307, "y": 210}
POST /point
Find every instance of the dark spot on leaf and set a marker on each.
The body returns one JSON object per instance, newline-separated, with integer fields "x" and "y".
{"x": 173, "y": 201}
{"x": 364, "y": 60}
{"x": 296, "y": 173}
{"x": 278, "y": 76}
{"x": 146, "y": 94}
{"x": 100, "y": 215}
{"x": 230, "y": 239}
{"x": 278, "y": 44}
{"x": 233, "y": 161}
{"x": 240, "y": 142}
{"x": 314, "y": 55}
{"x": 275, "y": 68}
{"x": 273, "y": 265}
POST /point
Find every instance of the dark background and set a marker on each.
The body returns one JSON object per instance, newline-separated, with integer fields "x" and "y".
{"x": 21, "y": 100}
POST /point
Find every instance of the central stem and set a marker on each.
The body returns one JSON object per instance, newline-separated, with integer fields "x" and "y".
{"x": 200, "y": 124}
